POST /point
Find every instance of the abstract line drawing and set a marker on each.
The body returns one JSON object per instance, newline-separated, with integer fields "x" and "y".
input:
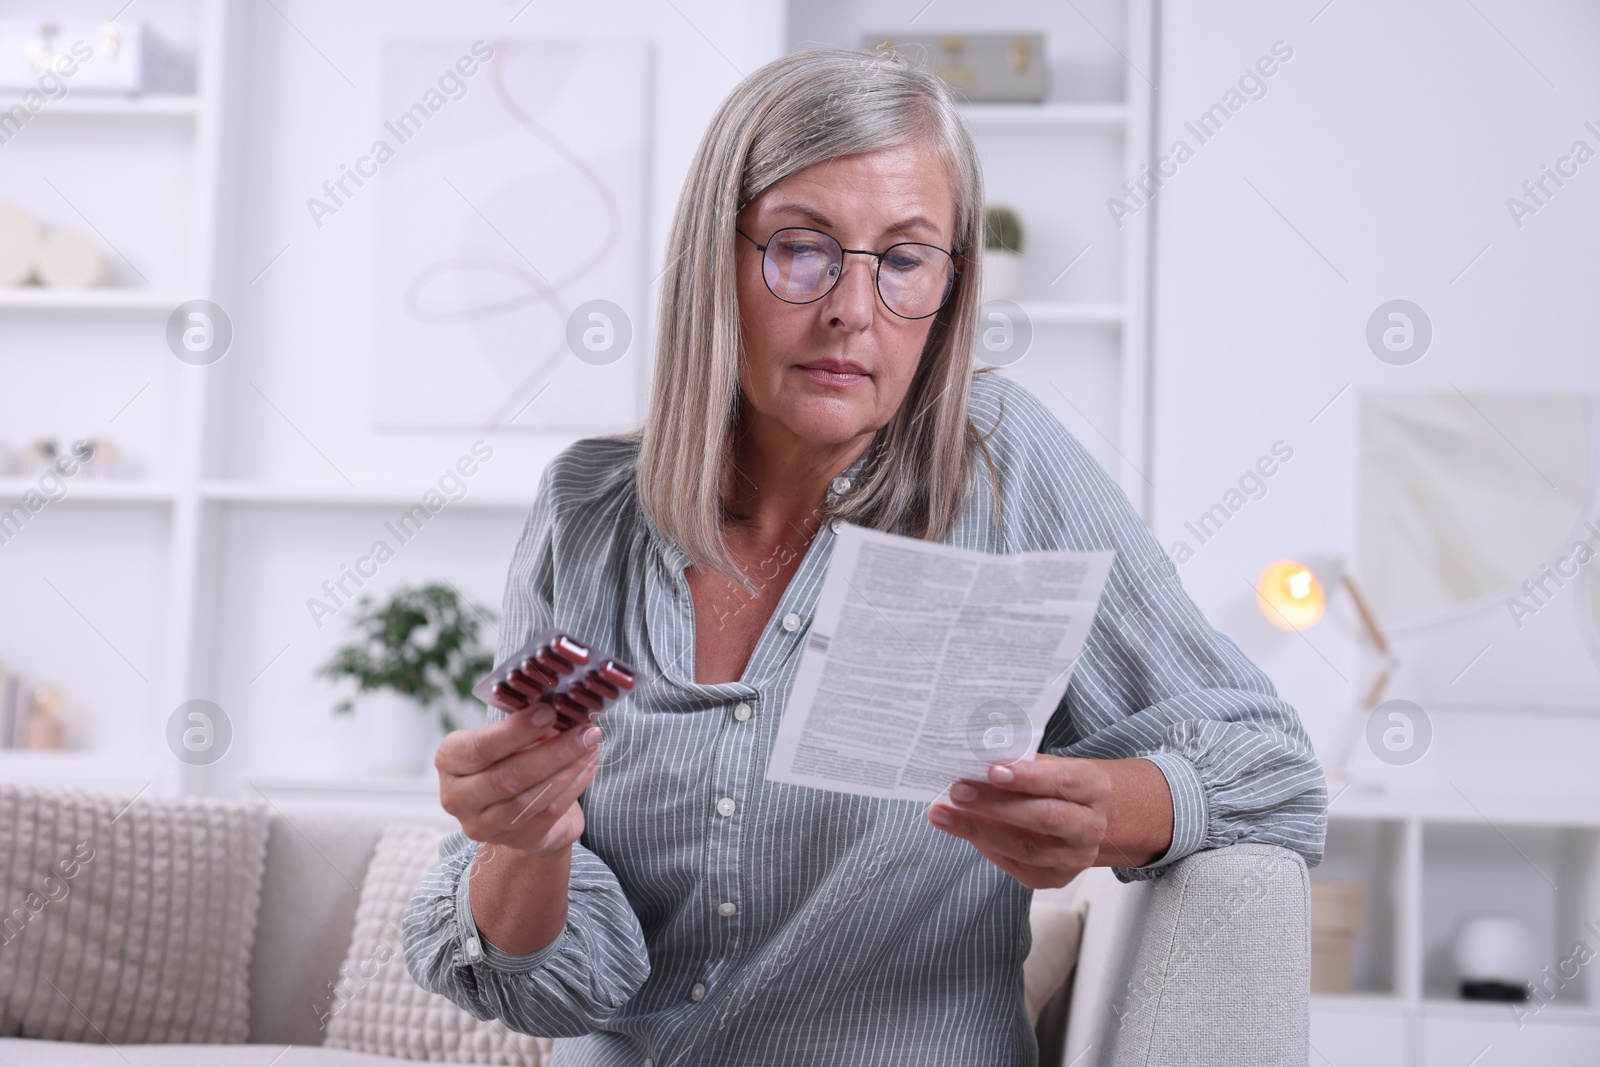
{"x": 520, "y": 199}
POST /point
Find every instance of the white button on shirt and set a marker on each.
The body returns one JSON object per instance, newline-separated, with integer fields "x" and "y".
{"x": 725, "y": 806}
{"x": 698, "y": 993}
{"x": 727, "y": 907}
{"x": 791, "y": 622}
{"x": 741, "y": 711}
{"x": 835, "y": 524}
{"x": 841, "y": 484}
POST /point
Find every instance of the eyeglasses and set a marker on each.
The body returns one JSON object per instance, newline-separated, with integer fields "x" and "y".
{"x": 801, "y": 266}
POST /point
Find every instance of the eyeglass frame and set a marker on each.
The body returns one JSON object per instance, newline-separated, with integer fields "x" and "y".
{"x": 876, "y": 268}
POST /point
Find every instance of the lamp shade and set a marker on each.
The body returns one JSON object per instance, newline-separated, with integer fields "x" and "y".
{"x": 1291, "y": 595}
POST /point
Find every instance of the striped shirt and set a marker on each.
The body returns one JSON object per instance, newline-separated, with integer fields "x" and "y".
{"x": 716, "y": 918}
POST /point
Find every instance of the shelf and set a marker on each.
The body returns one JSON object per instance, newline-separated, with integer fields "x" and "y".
{"x": 414, "y": 799}
{"x": 1496, "y": 1011}
{"x": 128, "y": 490}
{"x": 107, "y": 298}
{"x": 1477, "y": 805}
{"x": 63, "y": 768}
{"x": 156, "y": 106}
{"x": 1381, "y": 1004}
{"x": 1066, "y": 313}
{"x": 138, "y": 491}
{"x": 233, "y": 492}
{"x": 1366, "y": 1003}
{"x": 1050, "y": 118}
{"x": 424, "y": 786}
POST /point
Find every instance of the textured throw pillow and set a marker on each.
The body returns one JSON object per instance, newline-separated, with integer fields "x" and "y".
{"x": 378, "y": 1007}
{"x": 1057, "y": 924}
{"x": 127, "y": 920}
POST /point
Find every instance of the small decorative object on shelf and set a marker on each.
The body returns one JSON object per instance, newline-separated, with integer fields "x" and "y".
{"x": 1494, "y": 957}
{"x": 43, "y": 729}
{"x": 418, "y": 650}
{"x": 988, "y": 67}
{"x": 95, "y": 457}
{"x": 100, "y": 457}
{"x": 1003, "y": 273}
{"x": 49, "y": 58}
{"x": 1335, "y": 921}
{"x": 69, "y": 260}
{"x": 19, "y": 245}
{"x": 58, "y": 259}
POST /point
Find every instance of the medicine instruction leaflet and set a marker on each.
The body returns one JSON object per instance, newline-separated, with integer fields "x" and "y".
{"x": 925, "y": 663}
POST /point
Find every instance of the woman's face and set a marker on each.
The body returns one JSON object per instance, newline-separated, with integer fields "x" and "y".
{"x": 867, "y": 201}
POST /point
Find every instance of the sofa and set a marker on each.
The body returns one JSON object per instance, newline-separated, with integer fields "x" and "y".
{"x": 1209, "y": 964}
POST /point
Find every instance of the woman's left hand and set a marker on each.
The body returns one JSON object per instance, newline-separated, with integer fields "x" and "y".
{"x": 1041, "y": 820}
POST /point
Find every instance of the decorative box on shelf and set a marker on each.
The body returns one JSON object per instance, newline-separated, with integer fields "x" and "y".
{"x": 50, "y": 58}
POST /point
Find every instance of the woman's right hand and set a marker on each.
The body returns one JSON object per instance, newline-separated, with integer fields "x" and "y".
{"x": 516, "y": 782}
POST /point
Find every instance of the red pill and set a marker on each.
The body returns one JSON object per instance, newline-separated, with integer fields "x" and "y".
{"x": 522, "y": 684}
{"x": 592, "y": 701}
{"x": 600, "y": 685}
{"x": 552, "y": 662}
{"x": 538, "y": 674}
{"x": 565, "y": 703}
{"x": 616, "y": 674}
{"x": 506, "y": 695}
{"x": 571, "y": 649}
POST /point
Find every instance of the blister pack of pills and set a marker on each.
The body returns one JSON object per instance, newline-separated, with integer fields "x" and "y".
{"x": 557, "y": 669}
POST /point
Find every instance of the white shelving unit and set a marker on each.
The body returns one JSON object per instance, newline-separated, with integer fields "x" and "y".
{"x": 1110, "y": 141}
{"x": 32, "y": 298}
{"x": 1427, "y": 861}
{"x": 265, "y": 494}
{"x": 155, "y": 105}
{"x": 179, "y": 493}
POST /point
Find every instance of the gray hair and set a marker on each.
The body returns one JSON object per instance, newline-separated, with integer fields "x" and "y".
{"x": 797, "y": 111}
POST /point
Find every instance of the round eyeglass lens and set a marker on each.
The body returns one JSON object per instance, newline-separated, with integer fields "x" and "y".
{"x": 915, "y": 279}
{"x": 801, "y": 265}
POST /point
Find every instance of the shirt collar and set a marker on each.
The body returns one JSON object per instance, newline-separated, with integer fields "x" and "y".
{"x": 845, "y": 479}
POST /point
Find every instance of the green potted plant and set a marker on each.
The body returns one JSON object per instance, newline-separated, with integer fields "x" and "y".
{"x": 416, "y": 653}
{"x": 1002, "y": 254}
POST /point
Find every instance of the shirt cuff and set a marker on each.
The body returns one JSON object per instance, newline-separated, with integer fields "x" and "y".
{"x": 1188, "y": 809}
{"x": 476, "y": 947}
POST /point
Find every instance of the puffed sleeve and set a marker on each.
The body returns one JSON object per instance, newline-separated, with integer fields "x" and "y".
{"x": 598, "y": 960}
{"x": 568, "y": 988}
{"x": 1156, "y": 680}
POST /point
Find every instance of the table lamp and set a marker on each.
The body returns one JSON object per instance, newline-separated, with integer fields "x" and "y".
{"x": 1293, "y": 595}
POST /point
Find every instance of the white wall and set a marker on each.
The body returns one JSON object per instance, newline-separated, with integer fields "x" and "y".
{"x": 1377, "y": 166}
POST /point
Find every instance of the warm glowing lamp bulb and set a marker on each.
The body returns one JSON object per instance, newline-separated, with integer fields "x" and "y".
{"x": 1290, "y": 595}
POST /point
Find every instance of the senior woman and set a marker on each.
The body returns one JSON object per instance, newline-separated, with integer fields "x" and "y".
{"x": 640, "y": 887}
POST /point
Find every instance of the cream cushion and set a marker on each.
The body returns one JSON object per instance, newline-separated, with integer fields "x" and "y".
{"x": 377, "y": 1007}
{"x": 1057, "y": 921}
{"x": 129, "y": 920}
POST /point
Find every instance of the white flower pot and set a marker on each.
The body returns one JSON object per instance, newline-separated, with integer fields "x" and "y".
{"x": 398, "y": 735}
{"x": 1003, "y": 275}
